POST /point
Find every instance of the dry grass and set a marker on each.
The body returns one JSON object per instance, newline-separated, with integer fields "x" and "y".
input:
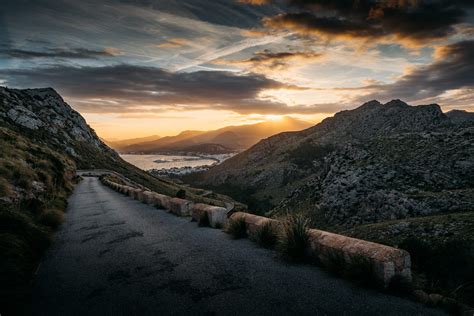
{"x": 267, "y": 235}
{"x": 295, "y": 237}
{"x": 237, "y": 227}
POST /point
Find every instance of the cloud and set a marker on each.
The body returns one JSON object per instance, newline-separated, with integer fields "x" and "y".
{"x": 307, "y": 24}
{"x": 451, "y": 70}
{"x": 76, "y": 53}
{"x": 267, "y": 59}
{"x": 127, "y": 88}
{"x": 407, "y": 21}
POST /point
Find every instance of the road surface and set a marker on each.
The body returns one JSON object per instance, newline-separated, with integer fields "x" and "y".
{"x": 117, "y": 256}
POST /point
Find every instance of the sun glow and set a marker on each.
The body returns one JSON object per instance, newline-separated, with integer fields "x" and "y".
{"x": 275, "y": 118}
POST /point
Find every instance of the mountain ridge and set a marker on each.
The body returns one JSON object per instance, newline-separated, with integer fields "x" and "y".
{"x": 343, "y": 170}
{"x": 235, "y": 138}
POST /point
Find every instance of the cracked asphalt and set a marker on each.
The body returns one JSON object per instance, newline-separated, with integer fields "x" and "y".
{"x": 116, "y": 256}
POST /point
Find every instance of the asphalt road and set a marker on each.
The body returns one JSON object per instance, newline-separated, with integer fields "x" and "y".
{"x": 116, "y": 256}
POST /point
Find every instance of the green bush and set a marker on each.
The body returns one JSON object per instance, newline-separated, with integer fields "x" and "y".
{"x": 237, "y": 227}
{"x": 295, "y": 238}
{"x": 267, "y": 236}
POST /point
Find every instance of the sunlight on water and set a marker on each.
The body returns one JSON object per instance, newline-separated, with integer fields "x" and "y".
{"x": 147, "y": 162}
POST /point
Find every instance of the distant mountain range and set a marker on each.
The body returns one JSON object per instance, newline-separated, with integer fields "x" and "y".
{"x": 223, "y": 140}
{"x": 374, "y": 163}
{"x": 119, "y": 145}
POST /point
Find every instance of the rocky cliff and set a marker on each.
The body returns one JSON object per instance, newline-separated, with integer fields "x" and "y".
{"x": 42, "y": 114}
{"x": 375, "y": 163}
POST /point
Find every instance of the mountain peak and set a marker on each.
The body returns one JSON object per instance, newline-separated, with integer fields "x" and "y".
{"x": 371, "y": 103}
{"x": 396, "y": 103}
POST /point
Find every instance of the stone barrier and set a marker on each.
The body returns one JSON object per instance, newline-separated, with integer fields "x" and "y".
{"x": 133, "y": 193}
{"x": 160, "y": 200}
{"x": 180, "y": 207}
{"x": 255, "y": 222}
{"x": 387, "y": 262}
{"x": 142, "y": 196}
{"x": 217, "y": 215}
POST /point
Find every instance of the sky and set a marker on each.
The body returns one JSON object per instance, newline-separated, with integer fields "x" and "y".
{"x": 135, "y": 68}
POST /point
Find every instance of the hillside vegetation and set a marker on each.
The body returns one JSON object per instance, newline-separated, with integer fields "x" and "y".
{"x": 34, "y": 184}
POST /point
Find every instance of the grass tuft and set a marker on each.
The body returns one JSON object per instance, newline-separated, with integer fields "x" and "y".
{"x": 237, "y": 227}
{"x": 295, "y": 237}
{"x": 267, "y": 236}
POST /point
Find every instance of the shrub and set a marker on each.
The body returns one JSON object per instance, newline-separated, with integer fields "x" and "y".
{"x": 181, "y": 194}
{"x": 295, "y": 238}
{"x": 52, "y": 218}
{"x": 237, "y": 227}
{"x": 203, "y": 220}
{"x": 266, "y": 235}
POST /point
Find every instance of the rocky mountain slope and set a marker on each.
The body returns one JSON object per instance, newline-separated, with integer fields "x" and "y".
{"x": 42, "y": 116}
{"x": 375, "y": 163}
{"x": 230, "y": 138}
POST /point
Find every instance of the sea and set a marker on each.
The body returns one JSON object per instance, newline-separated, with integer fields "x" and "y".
{"x": 164, "y": 162}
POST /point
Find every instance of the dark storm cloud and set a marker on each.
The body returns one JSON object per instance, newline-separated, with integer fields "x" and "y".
{"x": 413, "y": 20}
{"x": 452, "y": 69}
{"x": 78, "y": 53}
{"x": 126, "y": 87}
